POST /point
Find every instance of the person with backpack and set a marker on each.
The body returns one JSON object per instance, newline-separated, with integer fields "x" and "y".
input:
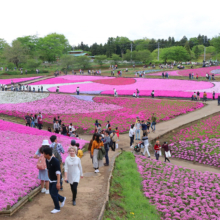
{"x": 114, "y": 139}
{"x": 42, "y": 167}
{"x": 57, "y": 150}
{"x": 73, "y": 171}
{"x": 166, "y": 151}
{"x": 54, "y": 174}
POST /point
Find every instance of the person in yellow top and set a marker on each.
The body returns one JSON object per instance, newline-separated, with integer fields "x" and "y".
{"x": 79, "y": 152}
{"x": 204, "y": 97}
{"x": 96, "y": 145}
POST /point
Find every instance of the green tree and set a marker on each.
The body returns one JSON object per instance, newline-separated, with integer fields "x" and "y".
{"x": 211, "y": 50}
{"x": 115, "y": 58}
{"x": 164, "y": 54}
{"x": 196, "y": 51}
{"x": 53, "y": 46}
{"x": 187, "y": 47}
{"x": 82, "y": 62}
{"x": 33, "y": 63}
{"x": 29, "y": 43}
{"x": 67, "y": 62}
{"x": 100, "y": 59}
{"x": 216, "y": 42}
{"x": 179, "y": 53}
{"x": 15, "y": 53}
{"x": 123, "y": 43}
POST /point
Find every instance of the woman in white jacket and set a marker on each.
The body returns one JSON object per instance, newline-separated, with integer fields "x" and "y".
{"x": 73, "y": 171}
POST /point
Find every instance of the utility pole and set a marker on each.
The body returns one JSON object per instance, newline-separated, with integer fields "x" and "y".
{"x": 204, "y": 48}
{"x": 131, "y": 51}
{"x": 158, "y": 51}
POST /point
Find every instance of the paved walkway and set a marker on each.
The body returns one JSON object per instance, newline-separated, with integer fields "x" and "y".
{"x": 92, "y": 188}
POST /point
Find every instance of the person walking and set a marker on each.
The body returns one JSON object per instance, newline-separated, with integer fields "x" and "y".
{"x": 41, "y": 165}
{"x": 146, "y": 144}
{"x": 54, "y": 172}
{"x": 153, "y": 124}
{"x": 28, "y": 120}
{"x": 73, "y": 171}
{"x": 107, "y": 125}
{"x": 157, "y": 148}
{"x": 106, "y": 145}
{"x": 96, "y": 146}
{"x": 32, "y": 121}
{"x": 138, "y": 130}
{"x": 166, "y": 151}
{"x": 114, "y": 139}
{"x": 131, "y": 135}
{"x": 137, "y": 93}
{"x": 40, "y": 121}
{"x": 213, "y": 95}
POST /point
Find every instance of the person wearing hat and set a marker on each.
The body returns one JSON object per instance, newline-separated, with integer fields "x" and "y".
{"x": 43, "y": 174}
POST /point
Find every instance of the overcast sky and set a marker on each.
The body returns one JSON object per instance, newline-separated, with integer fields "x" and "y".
{"x": 94, "y": 21}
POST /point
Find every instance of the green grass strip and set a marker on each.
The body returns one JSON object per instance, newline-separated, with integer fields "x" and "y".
{"x": 127, "y": 200}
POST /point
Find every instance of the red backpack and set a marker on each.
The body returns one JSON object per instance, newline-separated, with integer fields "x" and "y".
{"x": 41, "y": 163}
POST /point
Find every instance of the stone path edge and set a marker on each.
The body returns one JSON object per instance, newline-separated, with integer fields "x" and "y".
{"x": 21, "y": 203}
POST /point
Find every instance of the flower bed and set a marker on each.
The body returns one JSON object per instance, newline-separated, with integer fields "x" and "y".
{"x": 116, "y": 81}
{"x": 18, "y": 173}
{"x": 202, "y": 151}
{"x": 201, "y": 71}
{"x": 17, "y": 80}
{"x": 18, "y": 97}
{"x": 69, "y": 79}
{"x": 121, "y": 112}
{"x": 199, "y": 142}
{"x": 180, "y": 193}
{"x": 141, "y": 84}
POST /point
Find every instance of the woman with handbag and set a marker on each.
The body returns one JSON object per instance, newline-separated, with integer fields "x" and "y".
{"x": 41, "y": 165}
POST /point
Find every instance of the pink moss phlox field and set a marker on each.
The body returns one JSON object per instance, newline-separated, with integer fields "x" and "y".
{"x": 202, "y": 151}
{"x": 201, "y": 71}
{"x": 141, "y": 84}
{"x": 62, "y": 104}
{"x": 82, "y": 113}
{"x": 199, "y": 142}
{"x": 70, "y": 79}
{"x": 178, "y": 192}
{"x": 116, "y": 81}
{"x": 17, "y": 80}
{"x": 18, "y": 173}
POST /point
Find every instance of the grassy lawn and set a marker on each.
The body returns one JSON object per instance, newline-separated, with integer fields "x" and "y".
{"x": 127, "y": 200}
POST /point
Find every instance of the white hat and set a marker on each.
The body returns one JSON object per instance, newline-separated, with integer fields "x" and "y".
{"x": 45, "y": 142}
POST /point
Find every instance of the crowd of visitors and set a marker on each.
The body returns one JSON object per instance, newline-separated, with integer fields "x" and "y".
{"x": 21, "y": 88}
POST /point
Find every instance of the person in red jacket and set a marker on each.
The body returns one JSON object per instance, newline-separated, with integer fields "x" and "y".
{"x": 157, "y": 148}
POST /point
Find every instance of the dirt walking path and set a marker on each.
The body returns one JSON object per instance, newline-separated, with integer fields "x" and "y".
{"x": 92, "y": 188}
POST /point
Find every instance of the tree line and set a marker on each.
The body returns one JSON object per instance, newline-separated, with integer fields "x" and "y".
{"x": 31, "y": 51}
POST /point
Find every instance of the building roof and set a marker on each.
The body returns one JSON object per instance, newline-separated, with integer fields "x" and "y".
{"x": 74, "y": 51}
{"x": 78, "y": 55}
